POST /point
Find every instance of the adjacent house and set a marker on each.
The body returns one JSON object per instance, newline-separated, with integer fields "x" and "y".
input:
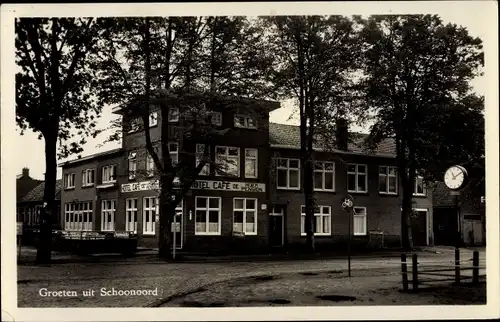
{"x": 24, "y": 184}
{"x": 29, "y": 207}
{"x": 257, "y": 203}
{"x": 462, "y": 214}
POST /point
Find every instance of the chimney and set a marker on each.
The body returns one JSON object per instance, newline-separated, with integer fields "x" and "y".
{"x": 342, "y": 133}
{"x": 26, "y": 172}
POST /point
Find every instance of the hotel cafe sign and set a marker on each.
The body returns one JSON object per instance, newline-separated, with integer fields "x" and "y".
{"x": 199, "y": 185}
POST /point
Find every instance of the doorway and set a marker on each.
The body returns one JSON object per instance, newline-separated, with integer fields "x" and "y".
{"x": 277, "y": 226}
{"x": 420, "y": 227}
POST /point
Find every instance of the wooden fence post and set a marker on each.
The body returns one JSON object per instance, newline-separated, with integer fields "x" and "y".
{"x": 457, "y": 265}
{"x": 414, "y": 270}
{"x": 404, "y": 272}
{"x": 475, "y": 267}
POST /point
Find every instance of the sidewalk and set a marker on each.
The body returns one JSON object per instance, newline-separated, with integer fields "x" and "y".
{"x": 28, "y": 256}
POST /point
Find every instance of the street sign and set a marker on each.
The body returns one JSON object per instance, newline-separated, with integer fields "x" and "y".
{"x": 347, "y": 203}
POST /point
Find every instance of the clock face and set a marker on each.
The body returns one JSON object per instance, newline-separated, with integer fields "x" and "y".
{"x": 454, "y": 177}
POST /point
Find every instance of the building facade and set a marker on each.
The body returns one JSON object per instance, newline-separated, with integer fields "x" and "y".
{"x": 256, "y": 203}
{"x": 30, "y": 206}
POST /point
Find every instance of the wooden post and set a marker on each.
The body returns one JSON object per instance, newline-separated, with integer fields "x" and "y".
{"x": 475, "y": 267}
{"x": 457, "y": 265}
{"x": 349, "y": 242}
{"x": 414, "y": 270}
{"x": 404, "y": 272}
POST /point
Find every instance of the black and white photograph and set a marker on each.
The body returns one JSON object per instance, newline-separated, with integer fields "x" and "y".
{"x": 274, "y": 159}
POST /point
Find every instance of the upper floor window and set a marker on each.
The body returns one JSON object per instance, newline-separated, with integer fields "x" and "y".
{"x": 357, "y": 178}
{"x": 173, "y": 115}
{"x": 173, "y": 148}
{"x": 88, "y": 177}
{"x": 135, "y": 123}
{"x": 251, "y": 163}
{"x": 324, "y": 176}
{"x": 388, "y": 180}
{"x": 150, "y": 165}
{"x": 419, "y": 189}
{"x": 200, "y": 151}
{"x": 69, "y": 180}
{"x": 109, "y": 174}
{"x": 245, "y": 121}
{"x": 228, "y": 161}
{"x": 132, "y": 165}
{"x": 153, "y": 119}
{"x": 215, "y": 118}
{"x": 288, "y": 174}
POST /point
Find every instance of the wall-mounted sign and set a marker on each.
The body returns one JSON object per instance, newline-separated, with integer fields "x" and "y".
{"x": 198, "y": 185}
{"x": 229, "y": 186}
{"x": 141, "y": 186}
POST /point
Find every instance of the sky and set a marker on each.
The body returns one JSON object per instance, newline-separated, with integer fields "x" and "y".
{"x": 35, "y": 159}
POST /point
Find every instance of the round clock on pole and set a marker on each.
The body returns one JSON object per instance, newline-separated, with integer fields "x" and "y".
{"x": 455, "y": 177}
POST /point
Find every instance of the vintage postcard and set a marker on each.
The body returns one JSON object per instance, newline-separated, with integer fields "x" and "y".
{"x": 250, "y": 161}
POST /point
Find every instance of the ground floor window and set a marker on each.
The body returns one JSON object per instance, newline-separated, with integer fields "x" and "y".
{"x": 359, "y": 221}
{"x": 208, "y": 215}
{"x": 321, "y": 224}
{"x": 245, "y": 216}
{"x": 108, "y": 209}
{"x": 131, "y": 215}
{"x": 78, "y": 216}
{"x": 150, "y": 205}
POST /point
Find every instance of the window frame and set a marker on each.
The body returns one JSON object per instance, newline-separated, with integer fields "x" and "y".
{"x": 227, "y": 156}
{"x": 288, "y": 170}
{"x": 387, "y": 176}
{"x": 244, "y": 210}
{"x": 150, "y": 171}
{"x": 256, "y": 158}
{"x": 356, "y": 215}
{"x": 129, "y": 212}
{"x": 207, "y": 210}
{"x": 316, "y": 214}
{"x": 85, "y": 175}
{"x": 105, "y": 211}
{"x": 424, "y": 192}
{"x": 112, "y": 166}
{"x": 153, "y": 212}
{"x": 72, "y": 212}
{"x": 356, "y": 175}
{"x": 71, "y": 175}
{"x": 324, "y": 172}
{"x": 132, "y": 160}
{"x": 245, "y": 121}
{"x": 205, "y": 171}
{"x": 173, "y": 111}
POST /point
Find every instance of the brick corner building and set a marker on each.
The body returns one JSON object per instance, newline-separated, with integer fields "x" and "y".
{"x": 256, "y": 205}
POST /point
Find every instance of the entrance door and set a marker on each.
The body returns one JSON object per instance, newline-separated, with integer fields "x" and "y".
{"x": 445, "y": 226}
{"x": 178, "y": 227}
{"x": 419, "y": 227}
{"x": 276, "y": 227}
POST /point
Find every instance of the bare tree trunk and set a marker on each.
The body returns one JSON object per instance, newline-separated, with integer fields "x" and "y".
{"x": 44, "y": 251}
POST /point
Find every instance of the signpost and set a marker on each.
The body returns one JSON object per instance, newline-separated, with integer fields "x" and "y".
{"x": 347, "y": 206}
{"x": 19, "y": 237}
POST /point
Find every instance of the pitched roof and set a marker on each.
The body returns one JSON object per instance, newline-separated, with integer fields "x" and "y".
{"x": 288, "y": 136}
{"x": 37, "y": 193}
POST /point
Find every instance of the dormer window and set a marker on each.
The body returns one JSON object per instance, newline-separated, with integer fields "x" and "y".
{"x": 245, "y": 121}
